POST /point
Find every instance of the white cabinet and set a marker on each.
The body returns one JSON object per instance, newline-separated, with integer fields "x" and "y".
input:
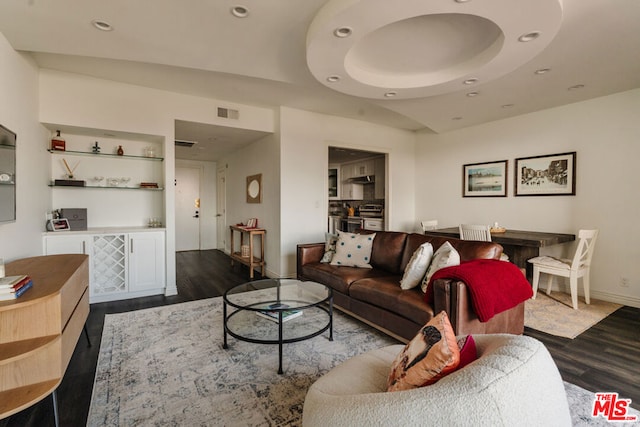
{"x": 363, "y": 168}
{"x": 334, "y": 182}
{"x": 123, "y": 264}
{"x": 375, "y": 224}
{"x": 352, "y": 191}
{"x": 146, "y": 261}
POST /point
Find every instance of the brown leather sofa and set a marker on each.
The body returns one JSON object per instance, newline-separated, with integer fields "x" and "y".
{"x": 375, "y": 297}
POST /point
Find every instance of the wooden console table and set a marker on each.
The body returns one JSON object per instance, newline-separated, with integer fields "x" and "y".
{"x": 251, "y": 260}
{"x": 40, "y": 329}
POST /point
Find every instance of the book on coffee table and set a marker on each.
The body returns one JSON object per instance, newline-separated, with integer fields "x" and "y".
{"x": 273, "y": 315}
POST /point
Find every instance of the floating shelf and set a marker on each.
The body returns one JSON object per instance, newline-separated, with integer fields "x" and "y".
{"x": 87, "y": 153}
{"x": 106, "y": 187}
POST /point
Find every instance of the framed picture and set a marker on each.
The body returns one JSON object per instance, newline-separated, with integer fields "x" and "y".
{"x": 549, "y": 175}
{"x": 485, "y": 179}
{"x": 254, "y": 188}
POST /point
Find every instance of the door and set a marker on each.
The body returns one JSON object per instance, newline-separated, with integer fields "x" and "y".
{"x": 221, "y": 206}
{"x": 187, "y": 209}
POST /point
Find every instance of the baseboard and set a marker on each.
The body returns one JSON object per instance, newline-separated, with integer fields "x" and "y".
{"x": 619, "y": 299}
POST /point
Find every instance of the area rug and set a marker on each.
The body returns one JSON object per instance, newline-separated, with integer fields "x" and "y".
{"x": 166, "y": 366}
{"x": 555, "y": 315}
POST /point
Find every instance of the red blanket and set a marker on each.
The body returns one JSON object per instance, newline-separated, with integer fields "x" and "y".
{"x": 495, "y": 286}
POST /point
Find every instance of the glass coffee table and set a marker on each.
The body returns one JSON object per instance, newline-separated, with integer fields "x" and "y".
{"x": 277, "y": 311}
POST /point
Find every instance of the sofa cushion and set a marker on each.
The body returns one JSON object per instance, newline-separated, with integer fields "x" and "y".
{"x": 430, "y": 355}
{"x": 417, "y": 267}
{"x": 329, "y": 247}
{"x": 336, "y": 277}
{"x": 445, "y": 256}
{"x": 385, "y": 293}
{"x": 388, "y": 248}
{"x": 353, "y": 250}
{"x": 468, "y": 351}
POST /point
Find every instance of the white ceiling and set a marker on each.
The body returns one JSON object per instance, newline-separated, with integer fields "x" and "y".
{"x": 283, "y": 52}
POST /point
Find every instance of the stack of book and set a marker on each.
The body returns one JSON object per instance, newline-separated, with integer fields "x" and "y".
{"x": 11, "y": 287}
{"x": 274, "y": 315}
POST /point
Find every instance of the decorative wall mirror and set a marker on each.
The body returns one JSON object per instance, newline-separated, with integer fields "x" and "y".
{"x": 7, "y": 175}
{"x": 254, "y": 188}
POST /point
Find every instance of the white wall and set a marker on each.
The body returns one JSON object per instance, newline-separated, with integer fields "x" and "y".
{"x": 208, "y": 192}
{"x": 605, "y": 133}
{"x": 19, "y": 112}
{"x": 305, "y": 138}
{"x": 261, "y": 157}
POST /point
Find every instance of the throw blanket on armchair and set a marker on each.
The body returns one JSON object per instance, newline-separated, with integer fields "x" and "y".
{"x": 495, "y": 286}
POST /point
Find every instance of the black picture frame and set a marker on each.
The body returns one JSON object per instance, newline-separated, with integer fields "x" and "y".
{"x": 487, "y": 179}
{"x": 546, "y": 175}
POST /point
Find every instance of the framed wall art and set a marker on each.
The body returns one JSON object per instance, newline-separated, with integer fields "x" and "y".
{"x": 254, "y": 188}
{"x": 485, "y": 179}
{"x": 548, "y": 175}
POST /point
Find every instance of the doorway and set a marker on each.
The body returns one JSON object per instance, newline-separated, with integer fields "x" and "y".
{"x": 187, "y": 209}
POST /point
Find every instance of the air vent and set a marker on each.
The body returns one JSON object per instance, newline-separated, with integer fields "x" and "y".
{"x": 187, "y": 144}
{"x": 228, "y": 113}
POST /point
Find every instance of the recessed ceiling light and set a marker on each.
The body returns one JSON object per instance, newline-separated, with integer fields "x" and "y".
{"x": 472, "y": 94}
{"x": 529, "y": 36}
{"x": 333, "y": 79}
{"x": 342, "y": 32}
{"x": 542, "y": 70}
{"x": 470, "y": 81}
{"x": 507, "y": 105}
{"x": 239, "y": 11}
{"x": 457, "y": 118}
{"x": 576, "y": 87}
{"x": 102, "y": 25}
{"x": 390, "y": 94}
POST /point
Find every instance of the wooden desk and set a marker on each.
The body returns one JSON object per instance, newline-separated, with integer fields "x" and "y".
{"x": 40, "y": 329}
{"x": 519, "y": 245}
{"x": 251, "y": 260}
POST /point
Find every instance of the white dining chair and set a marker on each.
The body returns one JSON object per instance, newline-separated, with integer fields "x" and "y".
{"x": 574, "y": 268}
{"x": 477, "y": 232}
{"x": 431, "y": 224}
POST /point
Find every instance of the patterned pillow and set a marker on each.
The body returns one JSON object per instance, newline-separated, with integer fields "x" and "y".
{"x": 445, "y": 256}
{"x": 417, "y": 267}
{"x": 329, "y": 247}
{"x": 429, "y": 356}
{"x": 468, "y": 351}
{"x": 353, "y": 250}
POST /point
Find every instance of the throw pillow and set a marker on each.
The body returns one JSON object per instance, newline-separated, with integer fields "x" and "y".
{"x": 353, "y": 250}
{"x": 329, "y": 247}
{"x": 468, "y": 351}
{"x": 417, "y": 267}
{"x": 429, "y": 356}
{"x": 445, "y": 256}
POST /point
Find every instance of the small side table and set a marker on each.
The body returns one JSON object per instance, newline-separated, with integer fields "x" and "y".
{"x": 251, "y": 260}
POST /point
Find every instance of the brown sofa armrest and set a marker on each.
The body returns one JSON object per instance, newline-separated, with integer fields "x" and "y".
{"x": 308, "y": 253}
{"x": 454, "y": 297}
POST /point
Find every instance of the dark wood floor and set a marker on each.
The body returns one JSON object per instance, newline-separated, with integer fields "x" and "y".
{"x": 604, "y": 358}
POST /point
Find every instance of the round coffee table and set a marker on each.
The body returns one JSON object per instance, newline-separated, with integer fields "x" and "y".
{"x": 277, "y": 311}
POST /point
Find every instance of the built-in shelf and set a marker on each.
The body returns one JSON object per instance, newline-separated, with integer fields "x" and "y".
{"x": 106, "y": 187}
{"x": 87, "y": 153}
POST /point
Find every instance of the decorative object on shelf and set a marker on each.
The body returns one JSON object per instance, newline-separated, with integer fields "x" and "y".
{"x": 6, "y": 178}
{"x": 69, "y": 170}
{"x": 60, "y": 224}
{"x": 150, "y": 151}
{"x": 120, "y": 151}
{"x": 154, "y": 223}
{"x": 113, "y": 182}
{"x": 254, "y": 188}
{"x": 98, "y": 180}
{"x": 149, "y": 185}
{"x": 125, "y": 180}
{"x": 96, "y": 148}
{"x": 58, "y": 143}
{"x": 487, "y": 179}
{"x": 69, "y": 183}
{"x": 548, "y": 175}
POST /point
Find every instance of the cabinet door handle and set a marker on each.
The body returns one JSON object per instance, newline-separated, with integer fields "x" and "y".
{"x": 84, "y": 248}
{"x": 131, "y": 246}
